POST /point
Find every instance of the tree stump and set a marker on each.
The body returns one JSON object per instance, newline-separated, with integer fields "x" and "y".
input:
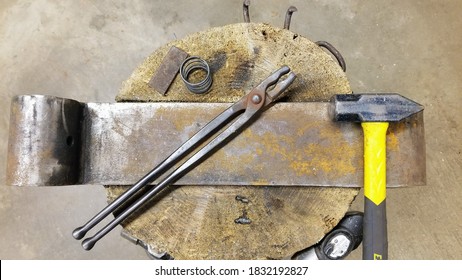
{"x": 233, "y": 222}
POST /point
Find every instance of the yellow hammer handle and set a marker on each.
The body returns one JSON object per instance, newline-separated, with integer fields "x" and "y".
{"x": 375, "y": 171}
{"x": 375, "y": 243}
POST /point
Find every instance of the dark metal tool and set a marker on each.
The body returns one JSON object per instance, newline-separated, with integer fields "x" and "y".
{"x": 254, "y": 102}
{"x": 339, "y": 242}
{"x": 374, "y": 111}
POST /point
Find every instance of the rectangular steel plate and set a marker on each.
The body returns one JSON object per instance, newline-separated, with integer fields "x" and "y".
{"x": 294, "y": 144}
{"x": 168, "y": 69}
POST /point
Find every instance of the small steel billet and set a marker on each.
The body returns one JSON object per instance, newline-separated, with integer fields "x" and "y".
{"x": 193, "y": 64}
{"x": 334, "y": 52}
{"x": 168, "y": 69}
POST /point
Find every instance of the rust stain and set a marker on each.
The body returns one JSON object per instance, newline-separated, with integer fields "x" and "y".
{"x": 195, "y": 118}
{"x": 336, "y": 162}
{"x": 313, "y": 158}
{"x": 261, "y": 182}
{"x": 392, "y": 142}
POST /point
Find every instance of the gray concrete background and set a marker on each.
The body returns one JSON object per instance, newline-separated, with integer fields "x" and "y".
{"x": 85, "y": 49}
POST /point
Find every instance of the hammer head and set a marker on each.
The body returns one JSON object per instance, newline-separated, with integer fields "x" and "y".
{"x": 388, "y": 107}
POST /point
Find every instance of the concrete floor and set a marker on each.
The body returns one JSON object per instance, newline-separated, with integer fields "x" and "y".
{"x": 85, "y": 49}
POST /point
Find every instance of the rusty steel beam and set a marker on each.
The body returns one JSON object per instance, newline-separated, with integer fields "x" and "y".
{"x": 57, "y": 141}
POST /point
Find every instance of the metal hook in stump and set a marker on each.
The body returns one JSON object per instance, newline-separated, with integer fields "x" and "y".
{"x": 245, "y": 6}
{"x": 334, "y": 52}
{"x": 290, "y": 11}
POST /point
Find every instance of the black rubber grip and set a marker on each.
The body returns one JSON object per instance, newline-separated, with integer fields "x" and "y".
{"x": 375, "y": 242}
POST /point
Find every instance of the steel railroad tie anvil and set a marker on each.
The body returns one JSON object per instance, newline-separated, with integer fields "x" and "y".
{"x": 56, "y": 141}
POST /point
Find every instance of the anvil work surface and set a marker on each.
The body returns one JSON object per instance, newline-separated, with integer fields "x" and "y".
{"x": 85, "y": 49}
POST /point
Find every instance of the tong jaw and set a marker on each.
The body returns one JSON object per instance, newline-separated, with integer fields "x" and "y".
{"x": 269, "y": 96}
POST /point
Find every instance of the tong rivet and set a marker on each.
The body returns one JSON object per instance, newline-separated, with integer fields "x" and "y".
{"x": 256, "y": 99}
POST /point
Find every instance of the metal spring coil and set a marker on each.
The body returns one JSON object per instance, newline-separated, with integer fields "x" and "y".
{"x": 192, "y": 64}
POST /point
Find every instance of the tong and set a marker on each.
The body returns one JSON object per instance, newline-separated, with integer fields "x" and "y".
{"x": 249, "y": 106}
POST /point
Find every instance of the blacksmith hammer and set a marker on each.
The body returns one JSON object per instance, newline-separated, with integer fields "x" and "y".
{"x": 374, "y": 111}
